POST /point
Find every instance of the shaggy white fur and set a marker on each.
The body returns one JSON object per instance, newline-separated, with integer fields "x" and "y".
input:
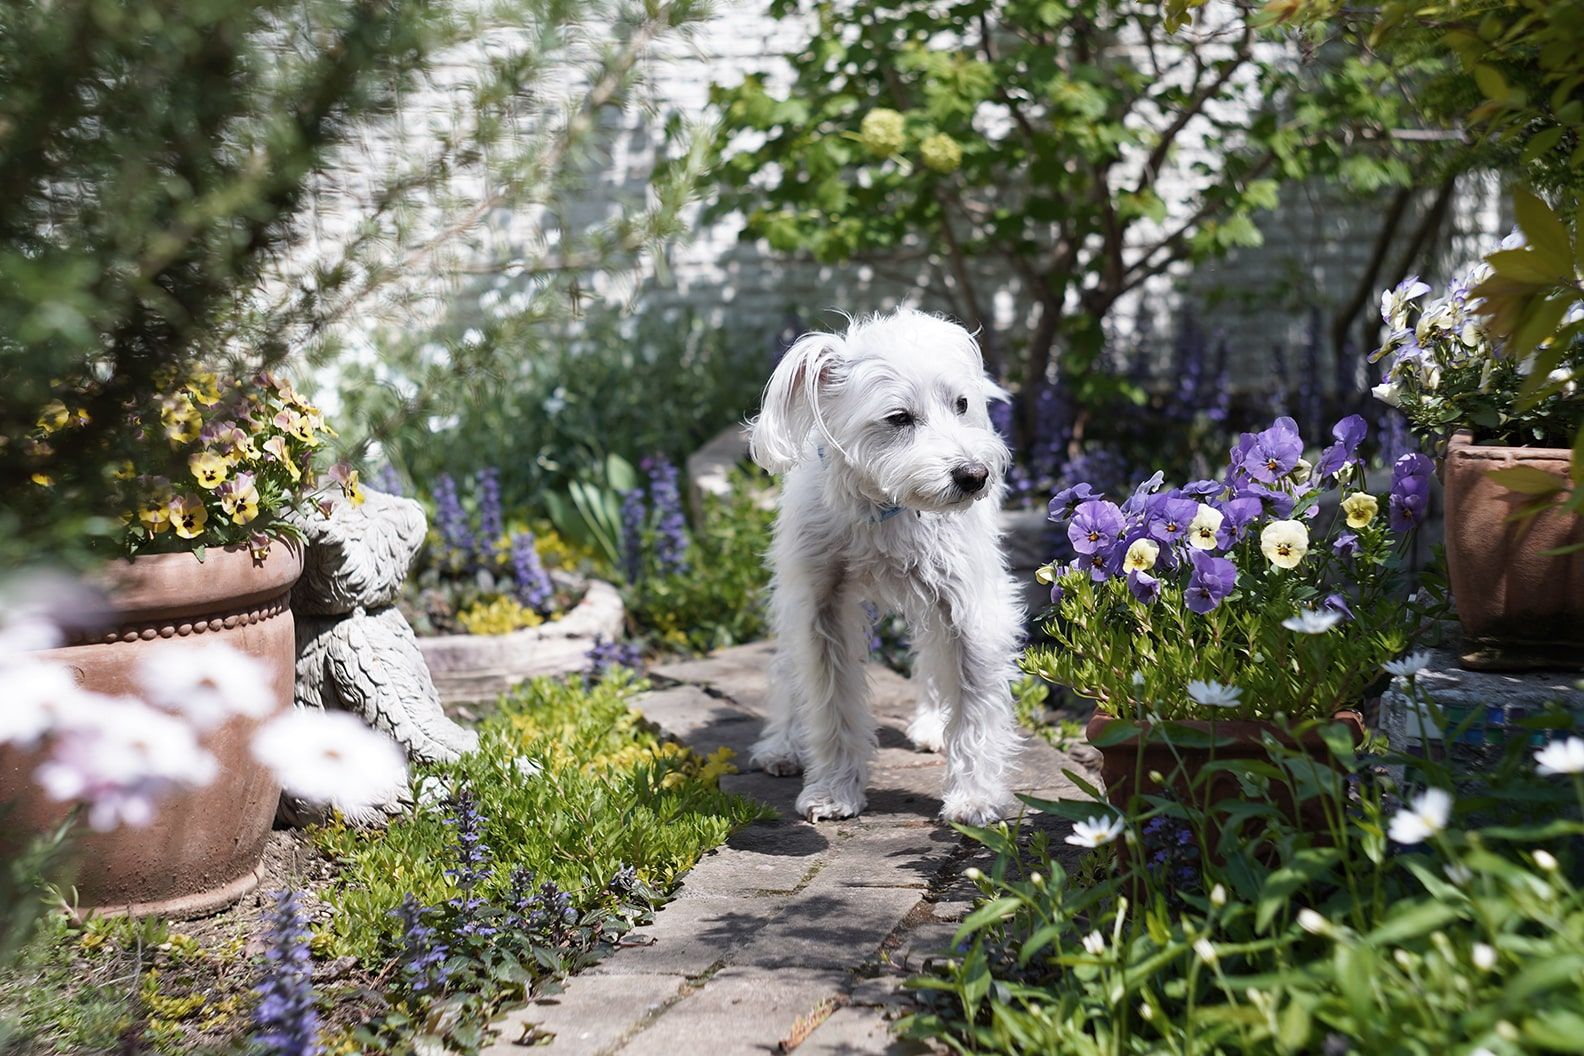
{"x": 894, "y": 475}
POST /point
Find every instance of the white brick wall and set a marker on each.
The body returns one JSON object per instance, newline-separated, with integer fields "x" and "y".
{"x": 1314, "y": 246}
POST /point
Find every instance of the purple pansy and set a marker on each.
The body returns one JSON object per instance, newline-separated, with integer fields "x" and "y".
{"x": 1346, "y": 545}
{"x": 1270, "y": 455}
{"x": 1095, "y": 526}
{"x": 1144, "y": 586}
{"x": 1410, "y": 491}
{"x": 1141, "y": 494}
{"x": 1349, "y": 433}
{"x": 1169, "y": 517}
{"x": 1236, "y": 516}
{"x": 1213, "y": 579}
{"x": 1101, "y": 564}
{"x": 1057, "y": 593}
{"x": 1202, "y": 489}
{"x": 1337, "y": 603}
{"x": 1067, "y": 500}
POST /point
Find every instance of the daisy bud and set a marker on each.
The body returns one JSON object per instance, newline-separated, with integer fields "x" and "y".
{"x": 1157, "y": 777}
{"x": 1546, "y": 861}
{"x": 1313, "y": 922}
{"x": 1146, "y": 1011}
{"x": 1218, "y": 896}
{"x": 1037, "y": 880}
{"x": 973, "y": 874}
{"x": 1205, "y": 950}
{"x": 1483, "y": 956}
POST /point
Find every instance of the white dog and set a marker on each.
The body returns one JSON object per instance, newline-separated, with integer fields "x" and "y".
{"x": 894, "y": 478}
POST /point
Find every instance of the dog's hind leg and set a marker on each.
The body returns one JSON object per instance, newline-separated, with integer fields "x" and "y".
{"x": 776, "y": 750}
{"x": 836, "y": 731}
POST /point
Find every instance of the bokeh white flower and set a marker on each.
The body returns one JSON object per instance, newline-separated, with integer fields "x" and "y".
{"x": 1425, "y": 816}
{"x": 1094, "y": 943}
{"x": 1558, "y": 757}
{"x": 332, "y": 758}
{"x": 1408, "y": 666}
{"x": 207, "y": 682}
{"x": 1312, "y": 621}
{"x": 1214, "y": 694}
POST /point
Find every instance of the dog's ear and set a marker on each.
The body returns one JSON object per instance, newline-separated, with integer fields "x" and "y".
{"x": 791, "y": 406}
{"x": 992, "y": 392}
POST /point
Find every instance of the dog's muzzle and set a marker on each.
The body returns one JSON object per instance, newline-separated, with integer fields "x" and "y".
{"x": 970, "y": 477}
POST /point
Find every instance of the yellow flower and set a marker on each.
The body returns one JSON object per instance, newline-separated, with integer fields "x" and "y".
{"x": 1360, "y": 508}
{"x": 275, "y": 448}
{"x": 208, "y": 468}
{"x": 154, "y": 512}
{"x": 941, "y": 153}
{"x": 188, "y": 516}
{"x": 43, "y": 480}
{"x": 54, "y": 416}
{"x": 1284, "y": 543}
{"x": 883, "y": 132}
{"x": 1141, "y": 555}
{"x": 181, "y": 420}
{"x": 240, "y": 499}
{"x": 204, "y": 388}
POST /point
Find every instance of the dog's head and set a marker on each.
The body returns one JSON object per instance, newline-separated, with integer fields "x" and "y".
{"x": 898, "y": 402}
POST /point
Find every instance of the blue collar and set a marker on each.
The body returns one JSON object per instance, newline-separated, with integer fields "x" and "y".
{"x": 880, "y": 514}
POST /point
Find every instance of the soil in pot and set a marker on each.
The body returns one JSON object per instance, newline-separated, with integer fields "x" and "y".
{"x": 1520, "y": 608}
{"x": 1175, "y": 760}
{"x": 202, "y": 850}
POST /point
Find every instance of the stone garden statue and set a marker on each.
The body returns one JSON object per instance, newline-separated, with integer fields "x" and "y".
{"x": 355, "y": 650}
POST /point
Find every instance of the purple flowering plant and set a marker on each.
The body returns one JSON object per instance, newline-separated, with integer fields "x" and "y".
{"x": 1280, "y": 579}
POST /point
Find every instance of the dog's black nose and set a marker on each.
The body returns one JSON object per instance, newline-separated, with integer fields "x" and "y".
{"x": 970, "y": 477}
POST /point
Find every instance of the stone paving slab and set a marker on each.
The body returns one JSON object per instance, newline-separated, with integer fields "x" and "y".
{"x": 790, "y": 936}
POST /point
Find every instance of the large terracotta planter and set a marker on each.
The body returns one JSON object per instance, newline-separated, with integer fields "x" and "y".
{"x": 1519, "y": 608}
{"x": 1127, "y": 766}
{"x": 203, "y": 849}
{"x": 475, "y": 668}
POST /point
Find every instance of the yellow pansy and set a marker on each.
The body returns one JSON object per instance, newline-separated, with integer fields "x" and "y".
{"x": 1361, "y": 508}
{"x": 1284, "y": 543}
{"x": 188, "y": 516}
{"x": 154, "y": 512}
{"x": 181, "y": 420}
{"x": 53, "y": 416}
{"x": 1141, "y": 555}
{"x": 243, "y": 506}
{"x": 209, "y": 469}
{"x": 205, "y": 388}
{"x": 275, "y": 448}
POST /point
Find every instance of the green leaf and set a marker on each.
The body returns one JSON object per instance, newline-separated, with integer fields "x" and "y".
{"x": 1526, "y": 480}
{"x": 1491, "y": 83}
{"x": 1546, "y": 233}
{"x": 1413, "y": 921}
{"x": 1525, "y": 265}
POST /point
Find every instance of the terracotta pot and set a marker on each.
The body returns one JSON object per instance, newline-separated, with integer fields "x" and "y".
{"x": 1121, "y": 763}
{"x": 1519, "y": 609}
{"x": 203, "y": 849}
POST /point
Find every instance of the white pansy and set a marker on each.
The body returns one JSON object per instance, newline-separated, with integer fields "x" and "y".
{"x": 1408, "y": 666}
{"x": 1558, "y": 757}
{"x": 1214, "y": 694}
{"x": 1094, "y": 943}
{"x": 1095, "y": 832}
{"x": 1388, "y": 393}
{"x": 1203, "y": 528}
{"x": 1141, "y": 555}
{"x": 1312, "y": 621}
{"x": 332, "y": 758}
{"x": 208, "y": 682}
{"x": 1422, "y": 818}
{"x": 1284, "y": 543}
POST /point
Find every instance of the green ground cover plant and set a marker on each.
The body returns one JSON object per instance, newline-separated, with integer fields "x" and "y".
{"x": 516, "y": 865}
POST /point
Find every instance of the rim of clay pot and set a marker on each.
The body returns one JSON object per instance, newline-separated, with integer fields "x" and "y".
{"x": 1463, "y": 443}
{"x": 1233, "y": 729}
{"x": 151, "y": 586}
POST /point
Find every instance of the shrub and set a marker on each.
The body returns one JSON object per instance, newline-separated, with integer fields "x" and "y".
{"x": 717, "y": 598}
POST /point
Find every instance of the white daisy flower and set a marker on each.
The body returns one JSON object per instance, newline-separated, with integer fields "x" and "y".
{"x": 1408, "y": 666}
{"x": 1423, "y": 818}
{"x": 1312, "y": 621}
{"x": 1214, "y": 694}
{"x": 1484, "y": 956}
{"x": 331, "y": 757}
{"x": 1095, "y": 832}
{"x": 1558, "y": 757}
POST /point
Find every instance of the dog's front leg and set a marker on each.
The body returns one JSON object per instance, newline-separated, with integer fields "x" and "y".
{"x": 969, "y": 655}
{"x": 827, "y": 642}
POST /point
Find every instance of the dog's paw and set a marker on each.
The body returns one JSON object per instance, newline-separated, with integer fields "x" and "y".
{"x": 927, "y": 731}
{"x": 821, "y": 803}
{"x": 776, "y": 760}
{"x": 977, "y": 809}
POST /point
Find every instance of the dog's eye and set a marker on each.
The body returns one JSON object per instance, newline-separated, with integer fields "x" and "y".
{"x": 901, "y": 419}
{"x": 962, "y": 405}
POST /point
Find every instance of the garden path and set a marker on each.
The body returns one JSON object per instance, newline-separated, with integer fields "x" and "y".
{"x": 791, "y": 936}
